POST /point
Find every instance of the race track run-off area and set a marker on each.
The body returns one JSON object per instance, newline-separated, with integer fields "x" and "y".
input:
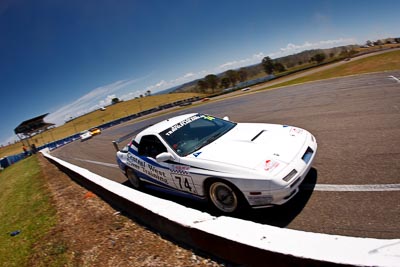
{"x": 353, "y": 188}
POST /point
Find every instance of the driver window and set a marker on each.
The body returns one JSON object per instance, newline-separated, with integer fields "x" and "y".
{"x": 151, "y": 146}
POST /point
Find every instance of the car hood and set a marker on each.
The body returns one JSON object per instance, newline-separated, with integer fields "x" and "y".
{"x": 256, "y": 146}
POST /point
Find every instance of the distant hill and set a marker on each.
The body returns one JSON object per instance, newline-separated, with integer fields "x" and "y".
{"x": 295, "y": 62}
{"x": 167, "y": 91}
{"x": 257, "y": 70}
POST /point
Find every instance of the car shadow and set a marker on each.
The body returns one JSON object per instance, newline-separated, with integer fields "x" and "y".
{"x": 281, "y": 216}
{"x": 127, "y": 183}
{"x": 187, "y": 202}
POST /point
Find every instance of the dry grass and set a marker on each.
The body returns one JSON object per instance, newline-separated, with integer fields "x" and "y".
{"x": 96, "y": 118}
{"x": 383, "y": 62}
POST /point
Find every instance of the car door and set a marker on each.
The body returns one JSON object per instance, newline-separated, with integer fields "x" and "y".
{"x": 152, "y": 171}
{"x": 168, "y": 173}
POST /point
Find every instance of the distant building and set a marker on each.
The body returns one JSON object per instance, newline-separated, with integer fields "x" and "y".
{"x": 31, "y": 127}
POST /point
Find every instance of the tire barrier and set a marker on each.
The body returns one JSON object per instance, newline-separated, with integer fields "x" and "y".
{"x": 236, "y": 241}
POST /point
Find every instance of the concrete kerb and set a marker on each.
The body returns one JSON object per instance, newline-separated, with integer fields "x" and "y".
{"x": 238, "y": 241}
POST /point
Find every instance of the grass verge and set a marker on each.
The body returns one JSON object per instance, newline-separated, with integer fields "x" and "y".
{"x": 25, "y": 206}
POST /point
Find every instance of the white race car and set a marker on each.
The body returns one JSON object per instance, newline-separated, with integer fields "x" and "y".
{"x": 232, "y": 165}
{"x": 85, "y": 135}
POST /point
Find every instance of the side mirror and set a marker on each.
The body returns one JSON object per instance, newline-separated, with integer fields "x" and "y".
{"x": 164, "y": 156}
{"x": 115, "y": 144}
{"x": 226, "y": 118}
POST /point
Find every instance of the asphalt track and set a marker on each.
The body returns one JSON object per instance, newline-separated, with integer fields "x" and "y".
{"x": 353, "y": 188}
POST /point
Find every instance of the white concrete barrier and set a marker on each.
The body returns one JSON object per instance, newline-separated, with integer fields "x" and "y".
{"x": 239, "y": 241}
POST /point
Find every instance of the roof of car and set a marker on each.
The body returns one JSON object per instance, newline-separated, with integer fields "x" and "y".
{"x": 165, "y": 124}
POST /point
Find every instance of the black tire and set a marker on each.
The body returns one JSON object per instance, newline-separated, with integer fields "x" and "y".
{"x": 133, "y": 179}
{"x": 224, "y": 197}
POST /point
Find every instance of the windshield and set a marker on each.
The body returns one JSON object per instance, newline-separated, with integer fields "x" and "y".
{"x": 195, "y": 132}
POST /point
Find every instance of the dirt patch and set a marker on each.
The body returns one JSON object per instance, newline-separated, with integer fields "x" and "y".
{"x": 90, "y": 232}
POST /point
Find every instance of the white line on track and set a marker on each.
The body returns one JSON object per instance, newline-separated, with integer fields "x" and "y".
{"x": 353, "y": 188}
{"x": 316, "y": 187}
{"x": 394, "y": 78}
{"x": 99, "y": 163}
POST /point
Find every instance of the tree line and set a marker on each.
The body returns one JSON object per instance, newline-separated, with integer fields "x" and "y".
{"x": 116, "y": 100}
{"x": 231, "y": 78}
{"x": 212, "y": 83}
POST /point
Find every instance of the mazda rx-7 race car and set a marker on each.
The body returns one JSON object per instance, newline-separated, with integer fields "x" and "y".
{"x": 232, "y": 165}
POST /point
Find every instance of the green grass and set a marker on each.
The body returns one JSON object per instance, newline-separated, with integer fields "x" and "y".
{"x": 25, "y": 206}
{"x": 383, "y": 62}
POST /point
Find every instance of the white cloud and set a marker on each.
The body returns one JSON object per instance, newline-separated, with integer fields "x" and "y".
{"x": 228, "y": 65}
{"x": 185, "y": 78}
{"x": 95, "y": 99}
{"x": 163, "y": 84}
{"x": 293, "y": 48}
{"x": 259, "y": 55}
{"x": 240, "y": 63}
{"x": 284, "y": 51}
{"x": 157, "y": 87}
{"x": 130, "y": 95}
{"x": 11, "y": 140}
{"x": 188, "y": 75}
{"x": 105, "y": 102}
{"x": 103, "y": 95}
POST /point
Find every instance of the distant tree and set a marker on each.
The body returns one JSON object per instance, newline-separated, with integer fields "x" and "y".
{"x": 397, "y": 40}
{"x": 242, "y": 75}
{"x": 148, "y": 93}
{"x": 115, "y": 100}
{"x": 233, "y": 76}
{"x": 279, "y": 67}
{"x": 268, "y": 65}
{"x": 202, "y": 85}
{"x": 319, "y": 58}
{"x": 344, "y": 53}
{"x": 140, "y": 96}
{"x": 352, "y": 52}
{"x": 212, "y": 81}
{"x": 225, "y": 82}
{"x": 368, "y": 43}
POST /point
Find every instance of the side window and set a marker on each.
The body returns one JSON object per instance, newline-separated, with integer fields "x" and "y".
{"x": 151, "y": 146}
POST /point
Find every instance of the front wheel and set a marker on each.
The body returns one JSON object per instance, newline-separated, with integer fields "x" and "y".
{"x": 224, "y": 197}
{"x": 133, "y": 179}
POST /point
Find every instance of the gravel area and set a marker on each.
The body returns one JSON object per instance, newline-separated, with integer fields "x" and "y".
{"x": 89, "y": 232}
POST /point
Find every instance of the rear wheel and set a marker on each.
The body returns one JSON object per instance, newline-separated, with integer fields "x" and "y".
{"x": 225, "y": 197}
{"x": 133, "y": 179}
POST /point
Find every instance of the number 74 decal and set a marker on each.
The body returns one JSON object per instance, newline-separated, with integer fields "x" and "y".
{"x": 184, "y": 183}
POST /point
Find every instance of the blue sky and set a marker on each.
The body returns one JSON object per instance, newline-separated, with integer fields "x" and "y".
{"x": 67, "y": 57}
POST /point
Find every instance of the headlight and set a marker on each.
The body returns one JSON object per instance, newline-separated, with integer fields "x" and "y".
{"x": 291, "y": 174}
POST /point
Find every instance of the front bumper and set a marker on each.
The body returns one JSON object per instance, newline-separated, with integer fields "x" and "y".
{"x": 270, "y": 198}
